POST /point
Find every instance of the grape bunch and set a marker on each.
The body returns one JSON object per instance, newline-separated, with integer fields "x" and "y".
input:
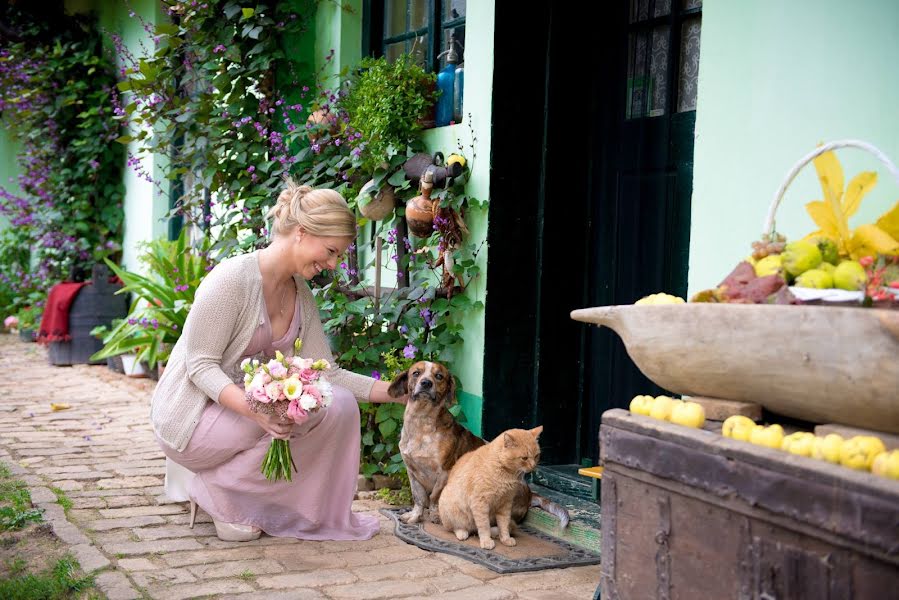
{"x": 768, "y": 245}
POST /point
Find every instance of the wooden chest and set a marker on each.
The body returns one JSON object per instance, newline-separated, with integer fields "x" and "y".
{"x": 690, "y": 514}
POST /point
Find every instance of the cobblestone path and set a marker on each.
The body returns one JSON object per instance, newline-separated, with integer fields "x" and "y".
{"x": 102, "y": 454}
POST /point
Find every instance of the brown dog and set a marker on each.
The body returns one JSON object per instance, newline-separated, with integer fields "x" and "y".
{"x": 432, "y": 441}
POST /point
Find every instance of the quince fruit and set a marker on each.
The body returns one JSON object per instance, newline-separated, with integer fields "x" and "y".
{"x": 800, "y": 256}
{"x": 828, "y": 448}
{"x": 799, "y": 443}
{"x": 850, "y": 275}
{"x": 827, "y": 268}
{"x": 661, "y": 408}
{"x": 660, "y": 298}
{"x": 859, "y": 452}
{"x": 737, "y": 425}
{"x": 770, "y": 265}
{"x": 815, "y": 278}
{"x": 770, "y": 436}
{"x": 886, "y": 464}
{"x": 689, "y": 414}
{"x": 830, "y": 254}
{"x": 641, "y": 405}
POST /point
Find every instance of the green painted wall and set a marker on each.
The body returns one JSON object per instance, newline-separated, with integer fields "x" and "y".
{"x": 775, "y": 79}
{"x": 145, "y": 203}
{"x": 9, "y": 166}
{"x": 342, "y": 31}
{"x": 338, "y": 27}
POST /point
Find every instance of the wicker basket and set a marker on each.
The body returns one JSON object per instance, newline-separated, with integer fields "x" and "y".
{"x": 826, "y": 296}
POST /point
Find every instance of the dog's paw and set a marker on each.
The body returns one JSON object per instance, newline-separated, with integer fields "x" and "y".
{"x": 410, "y": 518}
{"x": 461, "y": 534}
{"x": 488, "y": 544}
{"x": 508, "y": 541}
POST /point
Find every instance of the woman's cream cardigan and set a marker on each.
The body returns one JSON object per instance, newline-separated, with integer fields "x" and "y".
{"x": 226, "y": 311}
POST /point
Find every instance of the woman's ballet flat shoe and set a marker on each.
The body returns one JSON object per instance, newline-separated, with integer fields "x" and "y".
{"x": 236, "y": 532}
{"x": 228, "y": 532}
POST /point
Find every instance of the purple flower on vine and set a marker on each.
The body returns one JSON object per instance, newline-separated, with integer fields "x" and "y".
{"x": 376, "y": 375}
{"x": 409, "y": 351}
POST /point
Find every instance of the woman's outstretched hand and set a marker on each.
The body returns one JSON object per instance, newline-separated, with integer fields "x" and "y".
{"x": 379, "y": 394}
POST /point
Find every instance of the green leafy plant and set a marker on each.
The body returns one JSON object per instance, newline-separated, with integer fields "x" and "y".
{"x": 60, "y": 580}
{"x": 29, "y": 318}
{"x": 15, "y": 503}
{"x": 212, "y": 93}
{"x": 55, "y": 86}
{"x": 163, "y": 298}
{"x": 389, "y": 103}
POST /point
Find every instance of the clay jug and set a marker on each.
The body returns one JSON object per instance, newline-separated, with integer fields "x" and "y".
{"x": 420, "y": 212}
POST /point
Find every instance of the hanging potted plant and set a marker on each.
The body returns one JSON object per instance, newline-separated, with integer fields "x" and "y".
{"x": 389, "y": 103}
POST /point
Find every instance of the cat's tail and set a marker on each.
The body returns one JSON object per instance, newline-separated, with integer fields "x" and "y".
{"x": 552, "y": 508}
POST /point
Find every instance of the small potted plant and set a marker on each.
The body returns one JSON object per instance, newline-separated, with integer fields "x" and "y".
{"x": 162, "y": 299}
{"x": 389, "y": 103}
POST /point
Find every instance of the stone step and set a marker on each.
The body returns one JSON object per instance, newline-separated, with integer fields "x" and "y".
{"x": 584, "y": 528}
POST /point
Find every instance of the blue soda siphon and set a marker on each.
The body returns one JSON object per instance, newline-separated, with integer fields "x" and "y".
{"x": 446, "y": 84}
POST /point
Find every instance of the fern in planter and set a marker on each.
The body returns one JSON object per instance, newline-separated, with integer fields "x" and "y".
{"x": 162, "y": 299}
{"x": 389, "y": 104}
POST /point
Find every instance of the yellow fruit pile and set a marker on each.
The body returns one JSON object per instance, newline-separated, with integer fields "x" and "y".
{"x": 862, "y": 452}
{"x": 813, "y": 264}
{"x": 665, "y": 408}
{"x": 660, "y": 298}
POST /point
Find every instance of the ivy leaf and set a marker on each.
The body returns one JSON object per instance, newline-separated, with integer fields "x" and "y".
{"x": 248, "y": 12}
{"x": 387, "y": 427}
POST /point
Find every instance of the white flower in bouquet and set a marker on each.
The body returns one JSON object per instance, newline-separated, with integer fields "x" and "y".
{"x": 273, "y": 390}
{"x": 308, "y": 402}
{"x": 293, "y": 388}
{"x": 324, "y": 387}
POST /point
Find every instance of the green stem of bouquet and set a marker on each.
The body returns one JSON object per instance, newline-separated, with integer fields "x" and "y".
{"x": 278, "y": 461}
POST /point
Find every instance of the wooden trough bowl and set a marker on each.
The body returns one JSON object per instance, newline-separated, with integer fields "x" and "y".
{"x": 820, "y": 364}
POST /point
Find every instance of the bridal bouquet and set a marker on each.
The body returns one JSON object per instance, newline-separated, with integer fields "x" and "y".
{"x": 290, "y": 387}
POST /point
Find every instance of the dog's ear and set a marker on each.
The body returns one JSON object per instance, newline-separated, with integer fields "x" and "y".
{"x": 451, "y": 390}
{"x": 398, "y": 387}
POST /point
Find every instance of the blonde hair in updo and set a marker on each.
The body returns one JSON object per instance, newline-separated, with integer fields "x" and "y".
{"x": 321, "y": 212}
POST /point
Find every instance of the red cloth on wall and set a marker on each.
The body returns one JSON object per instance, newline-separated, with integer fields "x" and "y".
{"x": 55, "y": 322}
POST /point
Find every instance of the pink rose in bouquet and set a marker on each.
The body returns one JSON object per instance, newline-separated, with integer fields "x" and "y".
{"x": 291, "y": 388}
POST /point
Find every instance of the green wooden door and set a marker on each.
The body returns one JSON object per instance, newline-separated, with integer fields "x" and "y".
{"x": 591, "y": 176}
{"x": 644, "y": 186}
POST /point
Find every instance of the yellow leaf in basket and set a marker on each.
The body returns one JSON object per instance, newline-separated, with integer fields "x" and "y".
{"x": 889, "y": 221}
{"x": 822, "y": 214}
{"x": 871, "y": 240}
{"x": 55, "y": 406}
{"x": 860, "y": 185}
{"x": 830, "y": 174}
{"x": 834, "y": 202}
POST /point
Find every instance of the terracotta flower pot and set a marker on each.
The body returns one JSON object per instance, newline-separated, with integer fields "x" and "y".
{"x": 321, "y": 121}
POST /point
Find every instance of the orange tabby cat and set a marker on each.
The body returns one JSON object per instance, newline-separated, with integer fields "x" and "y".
{"x": 483, "y": 483}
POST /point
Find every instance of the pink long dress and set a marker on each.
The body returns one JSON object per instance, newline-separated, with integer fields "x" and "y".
{"x": 226, "y": 451}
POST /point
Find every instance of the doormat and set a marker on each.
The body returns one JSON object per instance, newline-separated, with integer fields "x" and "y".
{"x": 535, "y": 550}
